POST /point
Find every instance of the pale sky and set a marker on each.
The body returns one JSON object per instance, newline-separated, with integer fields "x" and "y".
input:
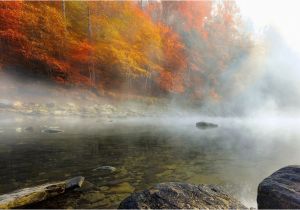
{"x": 282, "y": 14}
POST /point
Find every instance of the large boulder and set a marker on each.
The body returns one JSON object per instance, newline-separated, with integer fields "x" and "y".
{"x": 24, "y": 197}
{"x": 281, "y": 190}
{"x": 181, "y": 195}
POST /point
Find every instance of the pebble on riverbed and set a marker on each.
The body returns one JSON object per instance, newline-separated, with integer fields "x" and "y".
{"x": 52, "y": 130}
{"x": 124, "y": 187}
{"x": 105, "y": 168}
{"x": 29, "y": 129}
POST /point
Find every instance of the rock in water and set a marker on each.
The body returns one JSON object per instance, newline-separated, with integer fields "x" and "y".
{"x": 205, "y": 125}
{"x": 31, "y": 195}
{"x": 4, "y": 103}
{"x": 105, "y": 168}
{"x": 52, "y": 130}
{"x": 29, "y": 129}
{"x": 281, "y": 190}
{"x": 181, "y": 196}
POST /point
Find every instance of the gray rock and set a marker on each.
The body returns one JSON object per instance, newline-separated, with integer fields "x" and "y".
{"x": 50, "y": 105}
{"x": 281, "y": 190}
{"x": 39, "y": 193}
{"x": 4, "y": 103}
{"x": 52, "y": 130}
{"x": 105, "y": 168}
{"x": 181, "y": 196}
{"x": 29, "y": 129}
{"x": 74, "y": 182}
{"x": 205, "y": 125}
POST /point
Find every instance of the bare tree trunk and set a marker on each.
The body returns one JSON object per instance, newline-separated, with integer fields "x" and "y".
{"x": 89, "y": 23}
{"x": 146, "y": 84}
{"x": 63, "y": 4}
{"x": 91, "y": 64}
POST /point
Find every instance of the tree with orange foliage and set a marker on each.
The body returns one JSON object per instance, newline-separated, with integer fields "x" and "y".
{"x": 35, "y": 41}
{"x": 211, "y": 37}
{"x": 174, "y": 62}
{"x": 165, "y": 47}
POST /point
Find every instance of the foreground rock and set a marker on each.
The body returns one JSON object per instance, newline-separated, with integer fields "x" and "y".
{"x": 205, "y": 125}
{"x": 31, "y": 195}
{"x": 181, "y": 195}
{"x": 281, "y": 190}
{"x": 88, "y": 196}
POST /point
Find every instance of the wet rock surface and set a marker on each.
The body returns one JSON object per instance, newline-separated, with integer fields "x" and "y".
{"x": 89, "y": 196}
{"x": 27, "y": 196}
{"x": 174, "y": 195}
{"x": 205, "y": 125}
{"x": 281, "y": 190}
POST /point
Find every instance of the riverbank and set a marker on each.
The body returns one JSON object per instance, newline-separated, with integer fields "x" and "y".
{"x": 278, "y": 191}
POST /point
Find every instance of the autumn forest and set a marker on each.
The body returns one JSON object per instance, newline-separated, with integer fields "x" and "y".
{"x": 153, "y": 48}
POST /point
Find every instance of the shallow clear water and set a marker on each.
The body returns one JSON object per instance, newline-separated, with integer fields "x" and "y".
{"x": 238, "y": 154}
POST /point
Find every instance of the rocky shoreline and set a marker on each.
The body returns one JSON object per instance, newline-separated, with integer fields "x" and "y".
{"x": 68, "y": 109}
{"x": 278, "y": 191}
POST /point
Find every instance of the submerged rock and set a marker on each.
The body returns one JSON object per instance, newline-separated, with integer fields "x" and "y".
{"x": 29, "y": 129}
{"x": 50, "y": 105}
{"x": 124, "y": 187}
{"x": 31, "y": 195}
{"x": 105, "y": 168}
{"x": 181, "y": 195}
{"x": 52, "y": 130}
{"x": 281, "y": 190}
{"x": 86, "y": 197}
{"x": 205, "y": 125}
{"x": 19, "y": 130}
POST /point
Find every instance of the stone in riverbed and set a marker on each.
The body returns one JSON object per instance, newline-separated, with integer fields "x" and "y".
{"x": 124, "y": 187}
{"x": 105, "y": 168}
{"x": 32, "y": 195}
{"x": 93, "y": 196}
{"x": 52, "y": 130}
{"x": 205, "y": 125}
{"x": 281, "y": 190}
{"x": 29, "y": 129}
{"x": 72, "y": 199}
{"x": 4, "y": 103}
{"x": 181, "y": 195}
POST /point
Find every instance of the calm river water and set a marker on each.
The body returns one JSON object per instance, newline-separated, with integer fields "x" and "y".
{"x": 238, "y": 154}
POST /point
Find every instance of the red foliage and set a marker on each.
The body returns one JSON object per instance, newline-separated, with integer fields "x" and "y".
{"x": 173, "y": 45}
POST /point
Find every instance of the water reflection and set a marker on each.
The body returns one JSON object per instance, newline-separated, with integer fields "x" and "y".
{"x": 237, "y": 154}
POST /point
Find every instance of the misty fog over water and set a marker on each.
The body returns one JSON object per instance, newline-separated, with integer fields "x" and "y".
{"x": 238, "y": 154}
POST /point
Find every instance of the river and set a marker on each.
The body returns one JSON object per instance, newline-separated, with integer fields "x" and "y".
{"x": 238, "y": 154}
